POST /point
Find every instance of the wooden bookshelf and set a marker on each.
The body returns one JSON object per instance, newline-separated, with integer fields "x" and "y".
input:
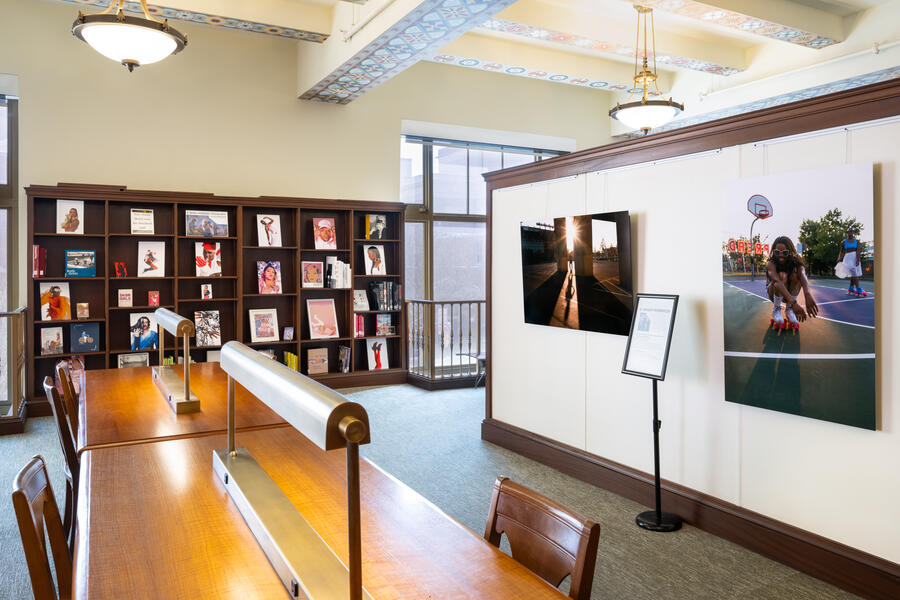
{"x": 107, "y": 223}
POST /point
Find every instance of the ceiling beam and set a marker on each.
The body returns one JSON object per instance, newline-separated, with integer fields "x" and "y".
{"x": 774, "y": 19}
{"x": 511, "y": 57}
{"x": 366, "y": 49}
{"x": 281, "y": 18}
{"x": 597, "y": 31}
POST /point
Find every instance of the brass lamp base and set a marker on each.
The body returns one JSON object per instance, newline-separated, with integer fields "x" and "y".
{"x": 172, "y": 388}
{"x": 307, "y": 566}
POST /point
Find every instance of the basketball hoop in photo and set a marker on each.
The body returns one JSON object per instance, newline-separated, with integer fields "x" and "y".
{"x": 759, "y": 206}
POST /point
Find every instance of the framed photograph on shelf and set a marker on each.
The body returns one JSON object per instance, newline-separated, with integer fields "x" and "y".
{"x": 70, "y": 216}
{"x": 83, "y": 310}
{"x": 205, "y": 223}
{"x": 151, "y": 259}
{"x": 268, "y": 227}
{"x": 324, "y": 235}
{"x": 135, "y": 359}
{"x": 288, "y": 334}
{"x": 55, "y": 302}
{"x": 142, "y": 221}
{"x": 360, "y": 300}
{"x": 376, "y": 349}
{"x": 81, "y": 263}
{"x": 268, "y": 276}
{"x": 51, "y": 340}
{"x": 208, "y": 328}
{"x": 84, "y": 337}
{"x": 208, "y": 258}
{"x": 263, "y": 325}
{"x": 311, "y": 274}
{"x": 126, "y": 297}
{"x": 376, "y": 227}
{"x": 373, "y": 256}
{"x": 322, "y": 319}
{"x": 647, "y": 351}
{"x": 206, "y": 291}
{"x": 143, "y": 333}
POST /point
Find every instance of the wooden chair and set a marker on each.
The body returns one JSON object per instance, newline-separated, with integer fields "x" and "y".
{"x": 36, "y": 510}
{"x": 545, "y": 536}
{"x": 73, "y": 463}
{"x": 70, "y": 398}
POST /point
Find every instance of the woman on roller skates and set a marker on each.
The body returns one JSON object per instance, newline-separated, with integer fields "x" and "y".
{"x": 786, "y": 276}
{"x": 850, "y": 251}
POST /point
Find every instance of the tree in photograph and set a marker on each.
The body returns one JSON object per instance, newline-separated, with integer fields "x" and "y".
{"x": 821, "y": 240}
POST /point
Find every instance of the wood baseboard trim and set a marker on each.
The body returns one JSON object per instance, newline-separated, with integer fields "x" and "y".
{"x": 848, "y": 568}
{"x": 16, "y": 424}
{"x": 39, "y": 407}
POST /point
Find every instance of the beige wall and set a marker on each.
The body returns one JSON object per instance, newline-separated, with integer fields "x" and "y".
{"x": 223, "y": 116}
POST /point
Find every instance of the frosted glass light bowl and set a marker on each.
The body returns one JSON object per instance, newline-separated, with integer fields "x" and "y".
{"x": 132, "y": 41}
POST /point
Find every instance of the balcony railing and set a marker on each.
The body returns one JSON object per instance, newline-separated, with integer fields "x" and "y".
{"x": 445, "y": 341}
{"x": 12, "y": 366}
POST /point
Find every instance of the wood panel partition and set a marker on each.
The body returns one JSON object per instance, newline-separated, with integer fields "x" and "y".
{"x": 845, "y": 567}
{"x": 106, "y": 222}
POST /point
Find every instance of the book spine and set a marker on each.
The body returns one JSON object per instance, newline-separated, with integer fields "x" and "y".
{"x": 43, "y": 262}
{"x": 35, "y": 251}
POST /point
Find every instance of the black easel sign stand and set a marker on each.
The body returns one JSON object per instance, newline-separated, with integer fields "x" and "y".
{"x": 647, "y": 355}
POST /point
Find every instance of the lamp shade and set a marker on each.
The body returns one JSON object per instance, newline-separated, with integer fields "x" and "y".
{"x": 646, "y": 115}
{"x": 131, "y": 41}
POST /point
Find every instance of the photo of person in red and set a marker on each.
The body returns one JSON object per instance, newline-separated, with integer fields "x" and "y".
{"x": 208, "y": 256}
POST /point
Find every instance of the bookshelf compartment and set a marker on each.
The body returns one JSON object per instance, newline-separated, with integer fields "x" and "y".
{"x": 93, "y": 219}
{"x": 120, "y": 219}
{"x": 287, "y": 222}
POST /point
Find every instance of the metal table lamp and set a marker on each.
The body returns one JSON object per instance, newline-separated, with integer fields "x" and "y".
{"x": 307, "y": 567}
{"x": 177, "y": 393}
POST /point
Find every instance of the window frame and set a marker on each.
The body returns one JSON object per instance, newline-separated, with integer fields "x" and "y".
{"x": 9, "y": 197}
{"x": 424, "y": 212}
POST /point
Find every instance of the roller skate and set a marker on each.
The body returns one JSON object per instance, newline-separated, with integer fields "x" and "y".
{"x": 860, "y": 291}
{"x": 777, "y": 320}
{"x": 793, "y": 324}
{"x": 851, "y": 291}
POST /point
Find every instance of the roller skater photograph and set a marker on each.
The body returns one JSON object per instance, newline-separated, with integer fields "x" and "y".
{"x": 849, "y": 264}
{"x": 786, "y": 278}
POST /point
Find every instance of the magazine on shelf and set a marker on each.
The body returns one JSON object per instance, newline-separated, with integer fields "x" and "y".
{"x": 51, "y": 340}
{"x": 360, "y": 300}
{"x": 151, "y": 259}
{"x": 376, "y": 349}
{"x": 268, "y": 276}
{"x": 324, "y": 234}
{"x": 70, "y": 216}
{"x": 383, "y": 324}
{"x": 373, "y": 257}
{"x": 205, "y": 223}
{"x": 207, "y": 327}
{"x": 268, "y": 229}
{"x": 376, "y": 227}
{"x": 55, "y": 301}
{"x": 84, "y": 337}
{"x": 81, "y": 263}
{"x": 311, "y": 274}
{"x": 208, "y": 259}
{"x": 142, "y": 221}
{"x": 143, "y": 333}
{"x": 317, "y": 361}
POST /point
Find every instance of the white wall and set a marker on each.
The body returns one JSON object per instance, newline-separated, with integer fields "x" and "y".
{"x": 223, "y": 115}
{"x": 837, "y": 481}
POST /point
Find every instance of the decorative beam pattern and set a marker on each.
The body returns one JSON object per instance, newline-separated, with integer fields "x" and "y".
{"x": 214, "y": 20}
{"x": 741, "y": 22}
{"x": 432, "y": 24}
{"x": 568, "y": 39}
{"x": 521, "y": 71}
{"x": 813, "y": 92}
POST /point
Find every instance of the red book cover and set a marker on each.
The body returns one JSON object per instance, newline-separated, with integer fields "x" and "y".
{"x": 153, "y": 298}
{"x": 42, "y": 262}
{"x": 35, "y": 250}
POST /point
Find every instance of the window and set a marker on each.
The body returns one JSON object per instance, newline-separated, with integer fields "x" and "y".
{"x": 8, "y": 220}
{"x": 441, "y": 181}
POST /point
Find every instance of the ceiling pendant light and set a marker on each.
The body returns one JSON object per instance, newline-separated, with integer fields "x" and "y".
{"x": 645, "y": 114}
{"x": 132, "y": 41}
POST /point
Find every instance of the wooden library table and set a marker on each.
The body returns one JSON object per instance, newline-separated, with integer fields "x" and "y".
{"x": 123, "y": 406}
{"x": 155, "y": 522}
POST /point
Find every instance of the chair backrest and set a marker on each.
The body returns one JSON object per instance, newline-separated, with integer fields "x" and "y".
{"x": 70, "y": 398}
{"x": 36, "y": 511}
{"x": 66, "y": 439}
{"x": 545, "y": 536}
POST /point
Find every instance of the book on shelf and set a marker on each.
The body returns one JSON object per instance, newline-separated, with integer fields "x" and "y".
{"x": 291, "y": 360}
{"x": 384, "y": 295}
{"x": 151, "y": 259}
{"x": 337, "y": 273}
{"x": 208, "y": 328}
{"x": 383, "y": 324}
{"x": 81, "y": 263}
{"x": 268, "y": 230}
{"x": 153, "y": 298}
{"x": 205, "y": 223}
{"x": 142, "y": 221}
{"x": 121, "y": 269}
{"x": 126, "y": 297}
{"x": 84, "y": 337}
{"x": 376, "y": 349}
{"x": 51, "y": 340}
{"x": 376, "y": 227}
{"x": 359, "y": 326}
{"x": 360, "y": 300}
{"x": 55, "y": 301}
{"x": 82, "y": 310}
{"x": 317, "y": 361}
{"x": 213, "y": 355}
{"x": 344, "y": 353}
{"x": 324, "y": 233}
{"x": 39, "y": 260}
{"x": 70, "y": 216}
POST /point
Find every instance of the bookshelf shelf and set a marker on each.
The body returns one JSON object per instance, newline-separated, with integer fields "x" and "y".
{"x": 106, "y": 220}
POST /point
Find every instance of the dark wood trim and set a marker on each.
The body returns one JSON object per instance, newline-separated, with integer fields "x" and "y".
{"x": 845, "y": 567}
{"x": 38, "y": 407}
{"x": 10, "y": 425}
{"x": 862, "y": 104}
{"x": 431, "y": 385}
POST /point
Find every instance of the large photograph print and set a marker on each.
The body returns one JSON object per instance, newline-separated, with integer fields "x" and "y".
{"x": 798, "y": 265}
{"x": 576, "y": 272}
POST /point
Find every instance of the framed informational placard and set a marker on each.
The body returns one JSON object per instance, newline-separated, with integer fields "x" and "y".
{"x": 647, "y": 352}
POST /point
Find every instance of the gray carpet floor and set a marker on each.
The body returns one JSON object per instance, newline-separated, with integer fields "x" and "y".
{"x": 431, "y": 441}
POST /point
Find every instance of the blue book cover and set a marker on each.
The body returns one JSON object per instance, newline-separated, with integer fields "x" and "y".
{"x": 81, "y": 263}
{"x": 84, "y": 337}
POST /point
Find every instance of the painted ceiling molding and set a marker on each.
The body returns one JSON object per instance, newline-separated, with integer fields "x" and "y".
{"x": 741, "y": 22}
{"x": 214, "y": 20}
{"x": 521, "y": 71}
{"x": 428, "y": 27}
{"x": 813, "y": 92}
{"x": 569, "y": 39}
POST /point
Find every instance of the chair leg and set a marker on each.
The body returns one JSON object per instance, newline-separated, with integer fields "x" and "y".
{"x": 69, "y": 518}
